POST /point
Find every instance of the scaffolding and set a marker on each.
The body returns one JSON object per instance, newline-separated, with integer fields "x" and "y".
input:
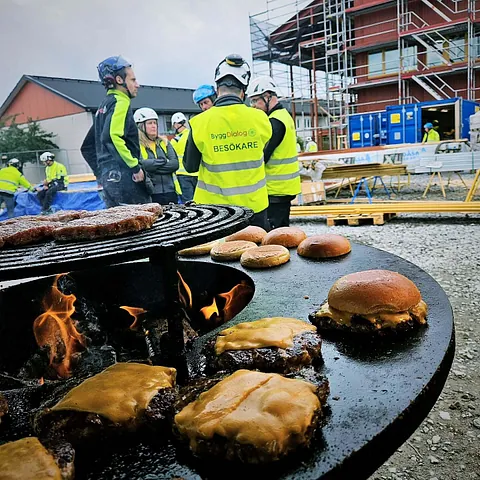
{"x": 314, "y": 52}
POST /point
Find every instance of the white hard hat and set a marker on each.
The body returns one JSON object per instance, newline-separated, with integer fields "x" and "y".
{"x": 46, "y": 156}
{"x": 14, "y": 162}
{"x": 143, "y": 114}
{"x": 178, "y": 117}
{"x": 235, "y": 66}
{"x": 309, "y": 139}
{"x": 260, "y": 85}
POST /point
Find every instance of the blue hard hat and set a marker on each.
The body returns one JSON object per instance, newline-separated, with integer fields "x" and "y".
{"x": 109, "y": 68}
{"x": 202, "y": 92}
{"x": 428, "y": 125}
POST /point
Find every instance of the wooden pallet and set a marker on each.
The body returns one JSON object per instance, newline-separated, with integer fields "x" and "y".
{"x": 359, "y": 219}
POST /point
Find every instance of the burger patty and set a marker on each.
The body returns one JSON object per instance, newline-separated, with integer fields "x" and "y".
{"x": 222, "y": 447}
{"x": 327, "y": 319}
{"x": 306, "y": 348}
{"x": 73, "y": 225}
{"x": 77, "y": 426}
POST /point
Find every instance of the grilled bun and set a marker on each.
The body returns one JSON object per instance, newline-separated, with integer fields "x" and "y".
{"x": 249, "y": 234}
{"x": 373, "y": 291}
{"x": 265, "y": 256}
{"x": 288, "y": 237}
{"x": 203, "y": 249}
{"x": 230, "y": 250}
{"x": 324, "y": 246}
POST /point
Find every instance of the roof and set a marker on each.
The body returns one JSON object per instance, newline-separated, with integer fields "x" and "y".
{"x": 89, "y": 94}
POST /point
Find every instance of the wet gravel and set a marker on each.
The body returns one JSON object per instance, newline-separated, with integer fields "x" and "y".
{"x": 446, "y": 446}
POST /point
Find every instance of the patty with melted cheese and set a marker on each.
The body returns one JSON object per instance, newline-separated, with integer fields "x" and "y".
{"x": 372, "y": 301}
{"x": 123, "y": 397}
{"x": 253, "y": 417}
{"x": 277, "y": 344}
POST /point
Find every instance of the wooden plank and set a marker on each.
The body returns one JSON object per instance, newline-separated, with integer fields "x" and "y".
{"x": 361, "y": 219}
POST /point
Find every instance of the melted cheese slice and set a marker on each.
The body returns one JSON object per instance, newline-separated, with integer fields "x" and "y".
{"x": 379, "y": 320}
{"x": 27, "y": 459}
{"x": 120, "y": 393}
{"x": 265, "y": 410}
{"x": 267, "y": 332}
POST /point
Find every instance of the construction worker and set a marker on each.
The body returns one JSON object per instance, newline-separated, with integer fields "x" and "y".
{"x": 158, "y": 157}
{"x": 311, "y": 146}
{"x": 204, "y": 96}
{"x": 226, "y": 145}
{"x": 280, "y": 155}
{"x": 115, "y": 157}
{"x": 56, "y": 179}
{"x": 11, "y": 178}
{"x": 430, "y": 135}
{"x": 188, "y": 181}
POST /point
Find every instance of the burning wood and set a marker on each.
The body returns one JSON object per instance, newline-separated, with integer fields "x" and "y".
{"x": 56, "y": 329}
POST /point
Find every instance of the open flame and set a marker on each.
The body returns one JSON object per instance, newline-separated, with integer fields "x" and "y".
{"x": 210, "y": 312}
{"x": 235, "y": 299}
{"x": 56, "y": 329}
{"x": 184, "y": 292}
{"x": 135, "y": 312}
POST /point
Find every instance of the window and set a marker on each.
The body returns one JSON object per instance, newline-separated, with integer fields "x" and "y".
{"x": 409, "y": 58}
{"x": 457, "y": 50}
{"x": 452, "y": 50}
{"x": 385, "y": 62}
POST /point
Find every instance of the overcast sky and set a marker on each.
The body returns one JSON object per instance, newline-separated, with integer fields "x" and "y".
{"x": 170, "y": 43}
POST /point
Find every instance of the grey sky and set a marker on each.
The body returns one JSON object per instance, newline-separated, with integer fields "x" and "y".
{"x": 171, "y": 43}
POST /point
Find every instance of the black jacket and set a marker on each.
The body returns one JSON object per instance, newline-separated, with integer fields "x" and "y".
{"x": 160, "y": 169}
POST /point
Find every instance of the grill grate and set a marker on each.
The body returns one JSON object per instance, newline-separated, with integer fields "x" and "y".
{"x": 179, "y": 227}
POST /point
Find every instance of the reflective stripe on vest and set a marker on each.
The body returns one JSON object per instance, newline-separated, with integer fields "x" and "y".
{"x": 282, "y": 171}
{"x": 179, "y": 144}
{"x": 10, "y": 179}
{"x": 231, "y": 140}
{"x": 56, "y": 171}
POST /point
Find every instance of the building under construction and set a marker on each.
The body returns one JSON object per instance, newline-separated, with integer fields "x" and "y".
{"x": 338, "y": 58}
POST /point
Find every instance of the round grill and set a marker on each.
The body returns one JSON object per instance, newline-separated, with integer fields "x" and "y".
{"x": 179, "y": 227}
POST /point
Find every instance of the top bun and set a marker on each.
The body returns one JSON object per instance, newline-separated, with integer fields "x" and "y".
{"x": 288, "y": 237}
{"x": 373, "y": 291}
{"x": 249, "y": 234}
{"x": 324, "y": 246}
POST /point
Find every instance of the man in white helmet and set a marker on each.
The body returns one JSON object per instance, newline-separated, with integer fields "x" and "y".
{"x": 311, "y": 146}
{"x": 280, "y": 155}
{"x": 56, "y": 179}
{"x": 226, "y": 145}
{"x": 188, "y": 181}
{"x": 11, "y": 178}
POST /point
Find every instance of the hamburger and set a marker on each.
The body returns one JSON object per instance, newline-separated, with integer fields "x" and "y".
{"x": 372, "y": 301}
{"x": 275, "y": 344}
{"x": 265, "y": 256}
{"x": 251, "y": 233}
{"x": 327, "y": 245}
{"x": 289, "y": 237}
{"x": 228, "y": 251}
{"x": 253, "y": 417}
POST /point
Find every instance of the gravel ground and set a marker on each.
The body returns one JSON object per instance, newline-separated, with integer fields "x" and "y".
{"x": 446, "y": 445}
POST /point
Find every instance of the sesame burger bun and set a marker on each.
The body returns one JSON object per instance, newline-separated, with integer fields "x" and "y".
{"x": 265, "y": 256}
{"x": 203, "y": 249}
{"x": 324, "y": 246}
{"x": 288, "y": 237}
{"x": 249, "y": 234}
{"x": 373, "y": 291}
{"x": 230, "y": 250}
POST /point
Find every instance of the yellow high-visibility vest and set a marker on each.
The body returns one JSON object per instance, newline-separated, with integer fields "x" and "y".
{"x": 11, "y": 178}
{"x": 56, "y": 171}
{"x": 231, "y": 140}
{"x": 282, "y": 171}
{"x": 179, "y": 143}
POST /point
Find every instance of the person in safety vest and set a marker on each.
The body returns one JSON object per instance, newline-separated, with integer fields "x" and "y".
{"x": 158, "y": 157}
{"x": 188, "y": 181}
{"x": 204, "y": 96}
{"x": 280, "y": 155}
{"x": 112, "y": 147}
{"x": 226, "y": 145}
{"x": 430, "y": 135}
{"x": 56, "y": 179}
{"x": 11, "y": 178}
{"x": 311, "y": 146}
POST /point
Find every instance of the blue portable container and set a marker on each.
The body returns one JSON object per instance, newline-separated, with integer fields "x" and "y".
{"x": 364, "y": 129}
{"x": 404, "y": 123}
{"x": 468, "y": 108}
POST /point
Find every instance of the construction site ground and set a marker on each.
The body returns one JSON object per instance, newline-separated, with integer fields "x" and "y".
{"x": 446, "y": 445}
